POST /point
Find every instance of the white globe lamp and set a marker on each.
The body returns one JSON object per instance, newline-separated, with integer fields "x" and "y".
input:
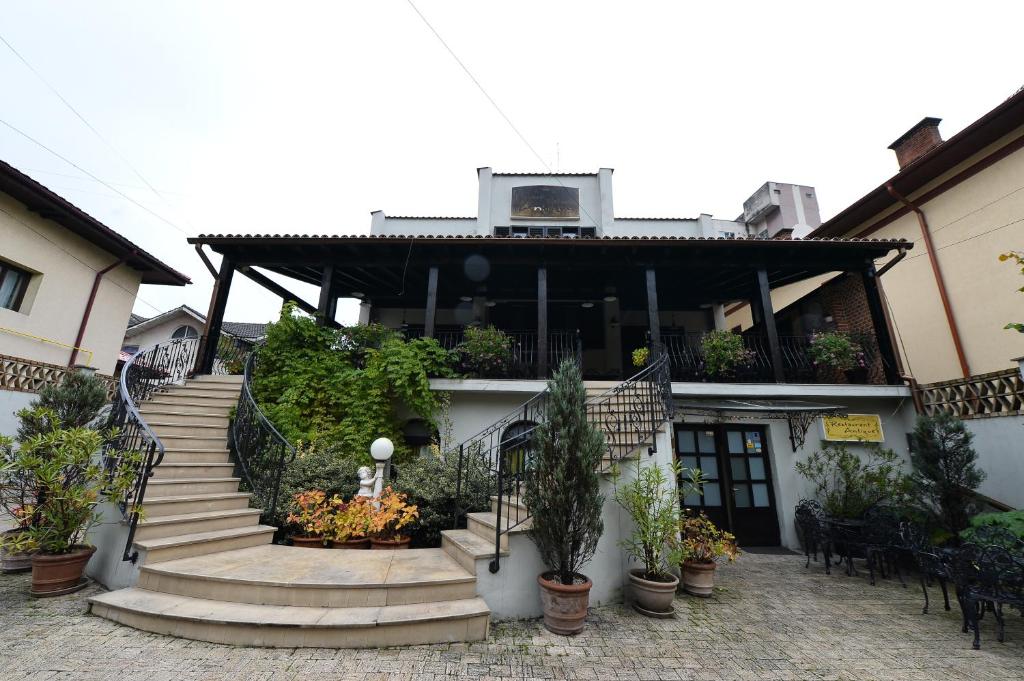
{"x": 382, "y": 449}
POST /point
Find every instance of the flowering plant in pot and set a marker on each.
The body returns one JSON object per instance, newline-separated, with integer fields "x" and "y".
{"x": 837, "y": 350}
{"x": 310, "y": 514}
{"x": 348, "y": 525}
{"x": 652, "y": 502}
{"x": 486, "y": 352}
{"x": 724, "y": 353}
{"x": 702, "y": 544}
{"x": 393, "y": 513}
{"x": 70, "y": 478}
{"x": 564, "y": 499}
{"x": 640, "y": 357}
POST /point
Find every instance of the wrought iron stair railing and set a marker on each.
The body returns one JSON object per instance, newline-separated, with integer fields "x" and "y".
{"x": 146, "y": 372}
{"x": 259, "y": 450}
{"x": 629, "y": 414}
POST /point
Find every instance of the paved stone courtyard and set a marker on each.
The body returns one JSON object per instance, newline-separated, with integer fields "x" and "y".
{"x": 770, "y": 620}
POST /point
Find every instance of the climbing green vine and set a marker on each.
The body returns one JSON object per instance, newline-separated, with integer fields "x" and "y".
{"x": 343, "y": 388}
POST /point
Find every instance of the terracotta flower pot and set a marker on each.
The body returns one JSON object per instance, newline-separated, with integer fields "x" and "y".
{"x": 387, "y": 544}
{"x": 307, "y": 542}
{"x": 59, "y": 574}
{"x": 363, "y": 543}
{"x": 14, "y": 562}
{"x": 651, "y": 597}
{"x": 565, "y": 605}
{"x": 699, "y": 578}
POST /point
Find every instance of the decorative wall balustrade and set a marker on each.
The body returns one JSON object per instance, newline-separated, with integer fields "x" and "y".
{"x": 1000, "y": 393}
{"x": 28, "y": 376}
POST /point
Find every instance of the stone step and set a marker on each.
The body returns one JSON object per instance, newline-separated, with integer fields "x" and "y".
{"x": 484, "y": 525}
{"x": 181, "y": 417}
{"x": 234, "y": 380}
{"x": 183, "y": 405}
{"x": 295, "y": 626}
{"x": 273, "y": 574}
{"x": 165, "y": 429}
{"x": 466, "y": 548}
{"x": 194, "y": 503}
{"x": 179, "y": 455}
{"x": 200, "y": 392}
{"x": 212, "y": 386}
{"x": 160, "y": 527}
{"x": 185, "y": 471}
{"x": 195, "y": 441}
{"x": 514, "y": 510}
{"x": 158, "y": 488}
{"x": 201, "y": 543}
{"x": 192, "y": 398}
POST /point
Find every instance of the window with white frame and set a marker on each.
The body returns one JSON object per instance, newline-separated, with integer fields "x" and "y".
{"x": 185, "y": 331}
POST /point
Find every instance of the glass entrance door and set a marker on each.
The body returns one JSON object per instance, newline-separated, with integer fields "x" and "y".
{"x": 737, "y": 493}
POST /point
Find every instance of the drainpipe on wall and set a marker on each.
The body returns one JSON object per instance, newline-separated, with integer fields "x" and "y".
{"x": 937, "y": 271}
{"x": 88, "y": 309}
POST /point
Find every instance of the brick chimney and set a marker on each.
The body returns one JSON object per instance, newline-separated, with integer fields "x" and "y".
{"x": 917, "y": 141}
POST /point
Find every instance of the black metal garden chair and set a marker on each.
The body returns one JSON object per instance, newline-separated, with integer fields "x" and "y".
{"x": 882, "y": 543}
{"x": 814, "y": 532}
{"x": 988, "y": 577}
{"x": 932, "y": 563}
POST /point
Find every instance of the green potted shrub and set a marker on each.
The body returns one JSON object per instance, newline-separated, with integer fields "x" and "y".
{"x": 724, "y": 353}
{"x": 485, "y": 352}
{"x": 652, "y": 503}
{"x": 16, "y": 495}
{"x": 702, "y": 545}
{"x": 837, "y": 350}
{"x": 848, "y": 486}
{"x": 640, "y": 357}
{"x": 564, "y": 500}
{"x": 65, "y": 468}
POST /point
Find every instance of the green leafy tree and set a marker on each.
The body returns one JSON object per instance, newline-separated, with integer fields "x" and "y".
{"x": 1017, "y": 258}
{"x": 562, "y": 486}
{"x": 946, "y": 473}
{"x": 73, "y": 403}
{"x": 848, "y": 486}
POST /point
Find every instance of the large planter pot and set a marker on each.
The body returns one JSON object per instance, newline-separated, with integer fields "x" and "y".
{"x": 858, "y": 376}
{"x": 56, "y": 575}
{"x": 651, "y": 597}
{"x": 699, "y": 578}
{"x": 363, "y": 543}
{"x": 388, "y": 544}
{"x": 14, "y": 562}
{"x": 308, "y": 542}
{"x": 565, "y": 605}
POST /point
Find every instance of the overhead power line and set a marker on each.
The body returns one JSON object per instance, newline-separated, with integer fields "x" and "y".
{"x": 83, "y": 170}
{"x": 85, "y": 122}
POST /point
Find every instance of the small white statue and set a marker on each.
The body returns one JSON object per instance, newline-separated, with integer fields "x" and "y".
{"x": 366, "y": 481}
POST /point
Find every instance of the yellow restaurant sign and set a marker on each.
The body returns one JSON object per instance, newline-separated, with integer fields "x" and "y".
{"x": 853, "y": 428}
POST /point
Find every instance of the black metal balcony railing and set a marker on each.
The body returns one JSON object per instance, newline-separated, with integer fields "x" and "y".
{"x": 525, "y": 355}
{"x": 688, "y": 365}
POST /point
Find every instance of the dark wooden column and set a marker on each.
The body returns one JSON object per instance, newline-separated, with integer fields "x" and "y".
{"x": 542, "y": 322}
{"x": 885, "y": 343}
{"x": 763, "y": 304}
{"x": 431, "y": 311}
{"x": 207, "y": 351}
{"x": 328, "y": 306}
{"x": 652, "y": 308}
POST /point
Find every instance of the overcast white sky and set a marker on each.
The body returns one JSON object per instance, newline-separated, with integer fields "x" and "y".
{"x": 302, "y": 117}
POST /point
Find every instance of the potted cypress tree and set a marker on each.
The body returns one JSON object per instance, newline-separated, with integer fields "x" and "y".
{"x": 564, "y": 498}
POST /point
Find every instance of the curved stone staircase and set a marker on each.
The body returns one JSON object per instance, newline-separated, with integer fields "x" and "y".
{"x": 210, "y": 573}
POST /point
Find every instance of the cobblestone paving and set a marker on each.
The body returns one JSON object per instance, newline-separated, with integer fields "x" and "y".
{"x": 771, "y": 619}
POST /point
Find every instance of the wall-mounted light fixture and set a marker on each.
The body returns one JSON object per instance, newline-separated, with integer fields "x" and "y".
{"x": 357, "y": 294}
{"x": 587, "y": 305}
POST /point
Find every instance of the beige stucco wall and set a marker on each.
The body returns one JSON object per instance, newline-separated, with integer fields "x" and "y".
{"x": 161, "y": 333}
{"x": 971, "y": 224}
{"x": 66, "y": 266}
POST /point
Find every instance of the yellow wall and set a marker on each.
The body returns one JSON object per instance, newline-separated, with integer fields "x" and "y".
{"x": 66, "y": 265}
{"x": 971, "y": 224}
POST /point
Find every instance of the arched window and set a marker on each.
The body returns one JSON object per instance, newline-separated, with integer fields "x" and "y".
{"x": 516, "y": 442}
{"x": 185, "y": 331}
